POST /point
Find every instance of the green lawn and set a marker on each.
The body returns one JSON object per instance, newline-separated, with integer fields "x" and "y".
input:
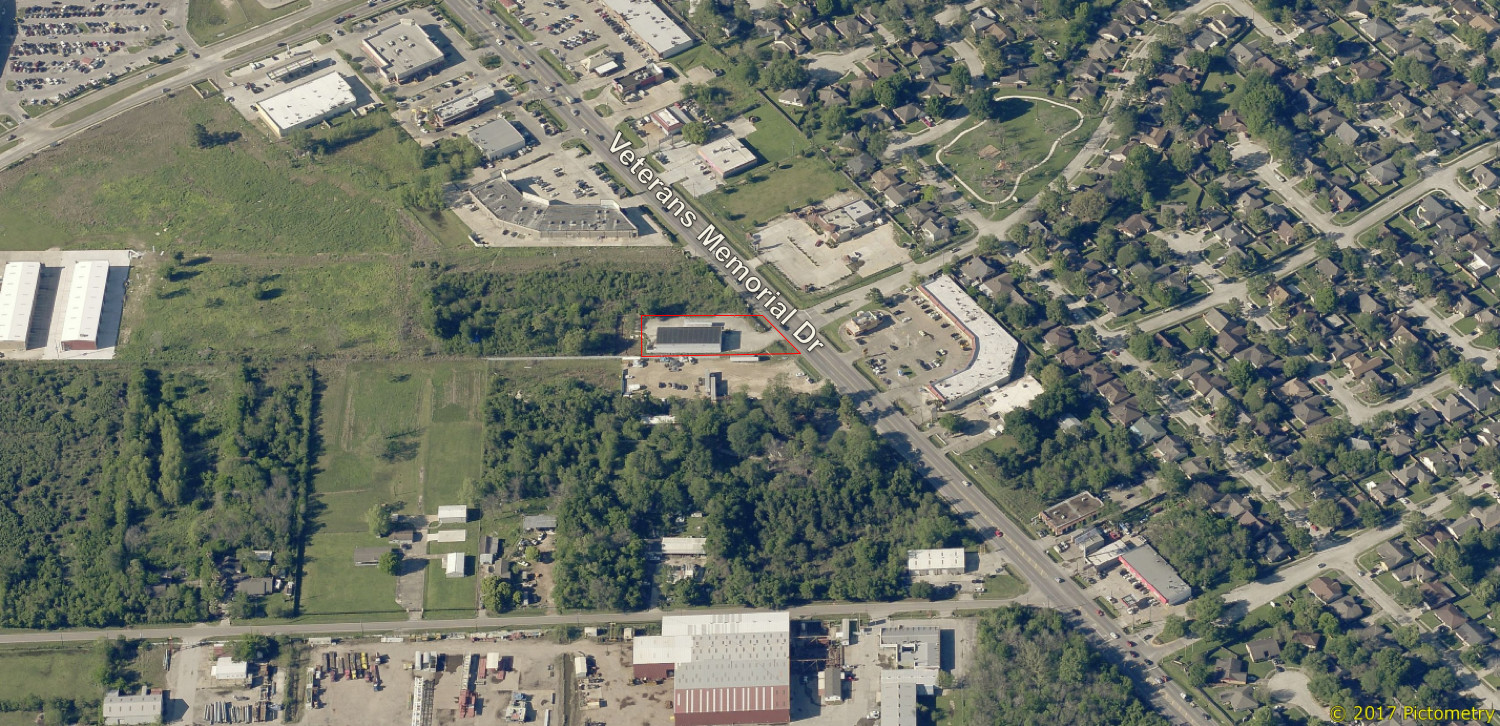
{"x": 391, "y": 433}
{"x": 1003, "y": 587}
{"x": 446, "y": 596}
{"x": 774, "y": 137}
{"x": 210, "y": 21}
{"x": 139, "y": 180}
{"x": 49, "y": 671}
{"x": 334, "y": 588}
{"x": 766, "y": 192}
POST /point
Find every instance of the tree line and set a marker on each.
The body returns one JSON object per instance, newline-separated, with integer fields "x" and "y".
{"x": 586, "y": 308}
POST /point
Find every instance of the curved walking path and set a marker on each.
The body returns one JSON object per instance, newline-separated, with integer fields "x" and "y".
{"x": 1022, "y": 176}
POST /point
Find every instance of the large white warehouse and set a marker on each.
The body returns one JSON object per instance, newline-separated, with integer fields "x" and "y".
{"x": 307, "y": 103}
{"x": 80, "y": 329}
{"x": 17, "y": 298}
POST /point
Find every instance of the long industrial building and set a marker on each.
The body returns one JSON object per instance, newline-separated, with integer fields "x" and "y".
{"x": 17, "y": 299}
{"x": 80, "y": 329}
{"x": 699, "y": 339}
{"x": 122, "y": 709}
{"x": 992, "y": 350}
{"x": 530, "y": 214}
{"x": 1157, "y": 575}
{"x": 402, "y": 51}
{"x": 727, "y": 669}
{"x": 652, "y": 25}
{"x": 306, "y": 104}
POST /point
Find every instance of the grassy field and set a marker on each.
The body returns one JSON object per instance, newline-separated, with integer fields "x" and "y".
{"x": 767, "y": 192}
{"x": 447, "y": 597}
{"x": 409, "y": 433}
{"x": 1021, "y": 136}
{"x": 50, "y": 671}
{"x": 406, "y": 433}
{"x": 275, "y": 308}
{"x": 210, "y": 21}
{"x": 249, "y": 196}
{"x": 334, "y": 589}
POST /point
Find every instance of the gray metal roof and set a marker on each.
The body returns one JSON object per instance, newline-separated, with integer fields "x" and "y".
{"x": 690, "y": 335}
{"x": 1157, "y": 573}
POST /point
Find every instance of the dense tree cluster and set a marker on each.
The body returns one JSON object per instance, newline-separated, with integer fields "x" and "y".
{"x": 113, "y": 483}
{"x": 1206, "y": 549}
{"x": 1029, "y": 669}
{"x": 1053, "y": 463}
{"x": 589, "y": 308}
{"x": 800, "y": 499}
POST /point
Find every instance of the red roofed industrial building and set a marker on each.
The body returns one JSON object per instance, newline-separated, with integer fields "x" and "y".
{"x": 726, "y": 669}
{"x": 1157, "y": 575}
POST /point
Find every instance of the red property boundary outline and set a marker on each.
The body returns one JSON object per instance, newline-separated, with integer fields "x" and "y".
{"x": 769, "y": 322}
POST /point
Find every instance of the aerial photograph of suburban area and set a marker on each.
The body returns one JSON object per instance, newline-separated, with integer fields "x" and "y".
{"x": 739, "y": 362}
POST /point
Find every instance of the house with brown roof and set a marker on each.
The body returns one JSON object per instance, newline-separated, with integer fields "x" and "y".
{"x": 1325, "y": 589}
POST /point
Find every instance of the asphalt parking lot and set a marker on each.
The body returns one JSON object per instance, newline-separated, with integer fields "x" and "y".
{"x": 63, "y": 50}
{"x": 907, "y": 351}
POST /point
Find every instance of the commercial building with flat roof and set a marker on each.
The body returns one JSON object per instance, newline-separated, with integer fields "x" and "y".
{"x": 701, "y": 339}
{"x": 727, "y": 156}
{"x": 306, "y": 104}
{"x": 462, "y": 107}
{"x": 80, "y": 329}
{"x": 402, "y": 51}
{"x": 1157, "y": 575}
{"x": 913, "y": 646}
{"x": 17, "y": 298}
{"x": 1066, "y": 514}
{"x": 935, "y": 562}
{"x": 651, "y": 24}
{"x": 527, "y": 213}
{"x": 992, "y": 349}
{"x": 727, "y": 669}
{"x": 229, "y": 669}
{"x": 684, "y": 546}
{"x": 497, "y": 139}
{"x": 143, "y": 708}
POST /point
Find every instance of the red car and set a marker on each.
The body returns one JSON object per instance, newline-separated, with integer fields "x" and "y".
{"x": 1098, "y": 612}
{"x": 998, "y": 533}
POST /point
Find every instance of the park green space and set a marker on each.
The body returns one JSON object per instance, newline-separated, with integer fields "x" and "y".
{"x": 1023, "y": 134}
{"x": 210, "y": 21}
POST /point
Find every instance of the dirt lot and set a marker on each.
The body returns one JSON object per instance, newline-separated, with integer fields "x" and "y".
{"x": 753, "y": 378}
{"x": 538, "y": 669}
